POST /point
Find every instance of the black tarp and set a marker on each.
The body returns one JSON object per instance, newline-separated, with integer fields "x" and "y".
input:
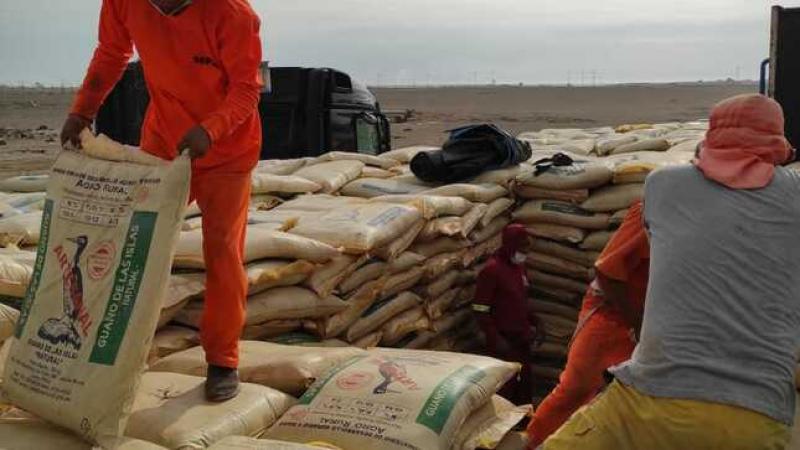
{"x": 470, "y": 151}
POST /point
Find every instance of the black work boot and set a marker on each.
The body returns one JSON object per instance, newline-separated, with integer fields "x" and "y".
{"x": 222, "y": 383}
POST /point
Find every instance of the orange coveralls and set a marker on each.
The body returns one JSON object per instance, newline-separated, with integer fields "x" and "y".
{"x": 202, "y": 68}
{"x": 603, "y": 338}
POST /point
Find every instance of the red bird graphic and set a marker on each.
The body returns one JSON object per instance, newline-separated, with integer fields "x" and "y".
{"x": 390, "y": 371}
{"x": 65, "y": 329}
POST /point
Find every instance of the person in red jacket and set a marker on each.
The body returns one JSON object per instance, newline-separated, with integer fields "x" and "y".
{"x": 201, "y": 61}
{"x": 610, "y": 318}
{"x": 501, "y": 306}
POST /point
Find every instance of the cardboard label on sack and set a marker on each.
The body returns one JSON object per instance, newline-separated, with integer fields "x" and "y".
{"x": 107, "y": 237}
{"x": 394, "y": 399}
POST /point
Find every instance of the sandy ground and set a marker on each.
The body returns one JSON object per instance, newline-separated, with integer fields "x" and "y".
{"x": 30, "y": 118}
{"x": 521, "y": 109}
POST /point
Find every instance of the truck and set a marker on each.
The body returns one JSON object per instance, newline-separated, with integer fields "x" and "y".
{"x": 781, "y": 71}
{"x": 304, "y": 112}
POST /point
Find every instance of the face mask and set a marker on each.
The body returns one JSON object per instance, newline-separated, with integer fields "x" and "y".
{"x": 519, "y": 258}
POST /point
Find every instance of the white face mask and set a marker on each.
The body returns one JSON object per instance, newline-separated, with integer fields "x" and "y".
{"x": 519, "y": 258}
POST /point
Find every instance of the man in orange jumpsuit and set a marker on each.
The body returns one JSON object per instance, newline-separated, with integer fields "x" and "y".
{"x": 611, "y": 315}
{"x": 201, "y": 60}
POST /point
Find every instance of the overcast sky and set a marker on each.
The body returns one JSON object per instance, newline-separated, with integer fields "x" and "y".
{"x": 443, "y": 41}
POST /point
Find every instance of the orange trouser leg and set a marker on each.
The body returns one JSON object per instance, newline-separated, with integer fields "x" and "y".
{"x": 600, "y": 344}
{"x": 223, "y": 199}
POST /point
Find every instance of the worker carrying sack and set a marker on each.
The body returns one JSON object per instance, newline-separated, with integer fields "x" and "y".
{"x": 470, "y": 151}
{"x": 103, "y": 262}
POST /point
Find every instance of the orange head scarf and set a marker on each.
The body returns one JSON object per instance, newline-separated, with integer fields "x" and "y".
{"x": 744, "y": 143}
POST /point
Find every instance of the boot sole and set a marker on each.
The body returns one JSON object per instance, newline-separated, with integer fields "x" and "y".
{"x": 219, "y": 398}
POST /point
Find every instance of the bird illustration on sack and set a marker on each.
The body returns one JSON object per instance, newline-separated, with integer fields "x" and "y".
{"x": 74, "y": 325}
{"x": 392, "y": 372}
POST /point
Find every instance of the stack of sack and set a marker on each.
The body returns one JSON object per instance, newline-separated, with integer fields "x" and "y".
{"x": 352, "y": 249}
{"x": 572, "y": 211}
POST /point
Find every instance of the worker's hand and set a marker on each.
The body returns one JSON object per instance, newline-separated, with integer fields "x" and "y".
{"x": 197, "y": 141}
{"x": 71, "y": 131}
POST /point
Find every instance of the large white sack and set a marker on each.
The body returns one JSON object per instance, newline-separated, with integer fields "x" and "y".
{"x": 403, "y": 324}
{"x": 644, "y": 145}
{"x": 172, "y": 339}
{"x": 181, "y": 288}
{"x": 406, "y": 154}
{"x": 259, "y": 244}
{"x": 486, "y": 427}
{"x": 25, "y": 183}
{"x": 560, "y": 233}
{"x": 357, "y": 303}
{"x": 34, "y": 434}
{"x": 369, "y": 160}
{"x": 103, "y": 147}
{"x": 248, "y": 443}
{"x": 325, "y": 278}
{"x": 376, "y": 187}
{"x": 16, "y": 269}
{"x": 534, "y": 193}
{"x": 560, "y": 213}
{"x": 269, "y": 219}
{"x": 8, "y": 320}
{"x": 481, "y": 193}
{"x": 607, "y": 144}
{"x": 579, "y": 175}
{"x": 380, "y": 313}
{"x": 613, "y": 198}
{"x": 437, "y": 308}
{"x": 21, "y": 229}
{"x": 170, "y": 410}
{"x": 359, "y": 228}
{"x": 440, "y": 264}
{"x": 282, "y": 303}
{"x": 411, "y": 399}
{"x": 264, "y": 202}
{"x": 440, "y": 245}
{"x": 318, "y": 203}
{"x": 271, "y": 329}
{"x": 375, "y": 268}
{"x": 15, "y": 204}
{"x": 495, "y": 209}
{"x": 442, "y": 226}
{"x": 264, "y": 183}
{"x": 96, "y": 292}
{"x": 289, "y": 369}
{"x": 634, "y": 167}
{"x": 375, "y": 172}
{"x": 281, "y": 166}
{"x": 431, "y": 206}
{"x": 331, "y": 175}
{"x": 272, "y": 273}
{"x": 394, "y": 249}
{"x": 501, "y": 176}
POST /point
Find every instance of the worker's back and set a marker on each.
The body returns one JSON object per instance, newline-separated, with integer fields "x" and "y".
{"x": 723, "y": 305}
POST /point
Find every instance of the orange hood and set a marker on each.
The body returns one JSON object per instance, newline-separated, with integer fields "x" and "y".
{"x": 744, "y": 143}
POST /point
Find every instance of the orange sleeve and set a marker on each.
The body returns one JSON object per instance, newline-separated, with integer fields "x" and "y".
{"x": 627, "y": 248}
{"x": 240, "y": 52}
{"x": 114, "y": 50}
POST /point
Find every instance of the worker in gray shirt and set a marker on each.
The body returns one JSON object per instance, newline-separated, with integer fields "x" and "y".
{"x": 714, "y": 367}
